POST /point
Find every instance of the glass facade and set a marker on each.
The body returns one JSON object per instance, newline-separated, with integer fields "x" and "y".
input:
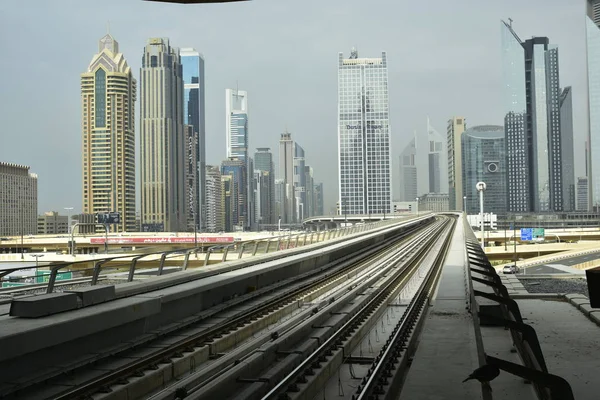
{"x": 408, "y": 172}
{"x": 515, "y": 105}
{"x": 194, "y": 115}
{"x": 363, "y": 135}
{"x": 484, "y": 160}
{"x": 533, "y": 149}
{"x": 592, "y": 22}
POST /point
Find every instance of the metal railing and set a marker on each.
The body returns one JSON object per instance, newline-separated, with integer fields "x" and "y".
{"x": 524, "y": 337}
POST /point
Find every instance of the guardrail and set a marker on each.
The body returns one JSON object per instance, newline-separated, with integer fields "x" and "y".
{"x": 561, "y": 256}
{"x": 547, "y": 386}
{"x": 283, "y": 242}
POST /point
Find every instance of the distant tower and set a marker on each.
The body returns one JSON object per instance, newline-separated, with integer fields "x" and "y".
{"x": 456, "y": 126}
{"x": 286, "y": 174}
{"x": 436, "y": 146}
{"x": 408, "y": 171}
{"x": 532, "y": 123}
{"x": 194, "y": 115}
{"x": 163, "y": 150}
{"x": 364, "y": 154}
{"x": 592, "y": 28}
{"x": 108, "y": 94}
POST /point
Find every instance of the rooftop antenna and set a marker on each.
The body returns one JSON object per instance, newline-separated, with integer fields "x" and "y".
{"x": 510, "y": 21}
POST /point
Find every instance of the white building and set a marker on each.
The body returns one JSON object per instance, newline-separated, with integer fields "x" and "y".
{"x": 364, "y": 157}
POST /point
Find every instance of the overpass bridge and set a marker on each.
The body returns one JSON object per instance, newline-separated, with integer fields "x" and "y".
{"x": 333, "y": 318}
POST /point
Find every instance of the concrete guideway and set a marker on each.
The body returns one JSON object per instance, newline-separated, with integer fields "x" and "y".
{"x": 165, "y": 306}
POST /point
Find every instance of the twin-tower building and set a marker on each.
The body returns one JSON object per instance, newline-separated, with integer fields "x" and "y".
{"x": 172, "y": 137}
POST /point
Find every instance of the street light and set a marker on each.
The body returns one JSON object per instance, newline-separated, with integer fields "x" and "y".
{"x": 36, "y": 258}
{"x": 481, "y": 188}
{"x": 68, "y": 209}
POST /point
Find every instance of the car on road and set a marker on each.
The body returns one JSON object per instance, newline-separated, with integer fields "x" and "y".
{"x": 510, "y": 269}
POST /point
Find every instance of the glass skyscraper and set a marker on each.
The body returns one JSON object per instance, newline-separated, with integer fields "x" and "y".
{"x": 236, "y": 108}
{"x": 435, "y": 151}
{"x": 408, "y": 172}
{"x": 532, "y": 123}
{"x": 192, "y": 64}
{"x": 365, "y": 184}
{"x": 484, "y": 160}
{"x": 592, "y": 28}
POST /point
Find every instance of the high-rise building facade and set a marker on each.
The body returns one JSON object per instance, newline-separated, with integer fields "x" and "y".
{"x": 408, "y": 172}
{"x": 566, "y": 147}
{"x": 280, "y": 200}
{"x": 299, "y": 182}
{"x": 319, "y": 199}
{"x": 18, "y": 200}
{"x": 456, "y": 126}
{"x": 592, "y": 29}
{"x": 582, "y": 196}
{"x": 230, "y": 205}
{"x": 108, "y": 94}
{"x": 365, "y": 184}
{"x": 215, "y": 200}
{"x": 263, "y": 161}
{"x": 163, "y": 150}
{"x": 484, "y": 160}
{"x": 309, "y": 206}
{"x": 236, "y": 168}
{"x": 532, "y": 123}
{"x": 192, "y": 179}
{"x": 286, "y": 174}
{"x": 434, "y": 158}
{"x": 236, "y": 123}
{"x": 194, "y": 115}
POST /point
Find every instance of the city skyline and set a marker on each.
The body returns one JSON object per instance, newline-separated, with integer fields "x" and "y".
{"x": 313, "y": 139}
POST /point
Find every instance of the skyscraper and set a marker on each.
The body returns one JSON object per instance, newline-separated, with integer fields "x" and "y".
{"x": 236, "y": 123}
{"x": 192, "y": 180}
{"x": 365, "y": 183}
{"x": 484, "y": 160}
{"x": 18, "y": 200}
{"x": 299, "y": 182}
{"x": 582, "y": 193}
{"x": 435, "y": 151}
{"x": 456, "y": 126}
{"x": 194, "y": 115}
{"x": 309, "y": 206}
{"x": 532, "y": 123}
{"x": 567, "y": 156}
{"x": 408, "y": 171}
{"x": 108, "y": 94}
{"x": 163, "y": 150}
{"x": 592, "y": 28}
{"x": 286, "y": 174}
{"x": 236, "y": 168}
{"x": 263, "y": 161}
{"x": 215, "y": 217}
{"x": 319, "y": 208}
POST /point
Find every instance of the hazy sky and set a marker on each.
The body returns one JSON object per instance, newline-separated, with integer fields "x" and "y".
{"x": 443, "y": 60}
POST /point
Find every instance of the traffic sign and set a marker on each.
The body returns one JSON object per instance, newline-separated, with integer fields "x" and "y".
{"x": 12, "y": 284}
{"x": 44, "y": 276}
{"x": 526, "y": 234}
{"x": 109, "y": 218}
{"x": 538, "y": 233}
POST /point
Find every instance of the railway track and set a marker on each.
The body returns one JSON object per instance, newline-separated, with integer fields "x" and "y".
{"x": 196, "y": 340}
{"x": 296, "y": 361}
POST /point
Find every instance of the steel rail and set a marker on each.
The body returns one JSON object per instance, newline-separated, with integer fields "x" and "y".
{"x": 160, "y": 355}
{"x": 332, "y": 342}
{"x": 387, "y": 358}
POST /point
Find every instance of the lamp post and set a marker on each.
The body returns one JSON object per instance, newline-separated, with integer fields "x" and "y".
{"x": 481, "y": 188}
{"x": 36, "y": 258}
{"x": 68, "y": 209}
